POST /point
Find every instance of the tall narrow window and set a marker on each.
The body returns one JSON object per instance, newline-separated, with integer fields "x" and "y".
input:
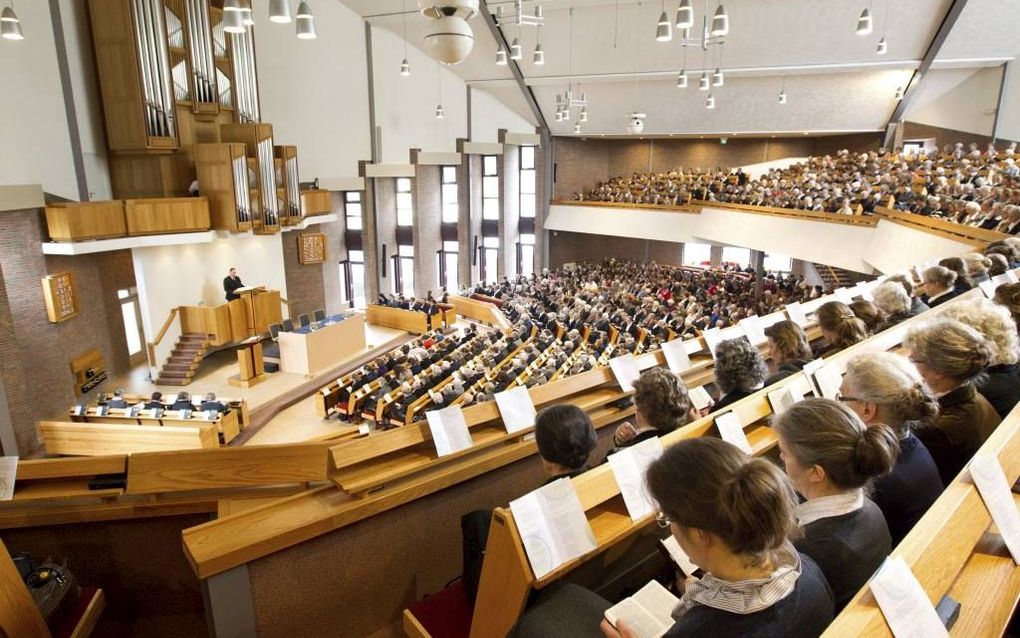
{"x": 490, "y": 258}
{"x": 527, "y": 182}
{"x": 129, "y": 311}
{"x": 403, "y": 280}
{"x": 352, "y": 278}
{"x": 526, "y": 255}
{"x": 353, "y": 210}
{"x": 405, "y": 206}
{"x": 490, "y": 187}
{"x": 736, "y": 255}
{"x": 448, "y": 194}
{"x": 697, "y": 254}
{"x": 448, "y": 266}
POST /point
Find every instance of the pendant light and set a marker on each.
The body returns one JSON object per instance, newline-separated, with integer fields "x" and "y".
{"x": 405, "y": 66}
{"x": 864, "y": 22}
{"x": 583, "y": 115}
{"x": 899, "y": 94}
{"x": 440, "y": 113}
{"x": 10, "y": 26}
{"x": 782, "y": 93}
{"x": 577, "y": 129}
{"x": 232, "y": 21}
{"x": 663, "y": 29}
{"x": 681, "y": 80}
{"x": 703, "y": 82}
{"x": 501, "y": 57}
{"x": 710, "y": 101}
{"x": 883, "y": 47}
{"x": 516, "y": 53}
{"x": 720, "y": 22}
{"x": 684, "y": 15}
{"x": 246, "y": 17}
{"x": 538, "y": 57}
{"x": 717, "y": 78}
{"x": 305, "y": 22}
{"x": 279, "y": 11}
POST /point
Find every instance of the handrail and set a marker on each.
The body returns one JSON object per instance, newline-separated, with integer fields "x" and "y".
{"x": 150, "y": 347}
{"x": 945, "y": 228}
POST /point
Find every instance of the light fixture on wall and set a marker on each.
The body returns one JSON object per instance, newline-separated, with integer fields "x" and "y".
{"x": 710, "y": 101}
{"x": 405, "y": 66}
{"x": 501, "y": 56}
{"x": 305, "y": 22}
{"x": 10, "y": 26}
{"x": 663, "y": 28}
{"x": 899, "y": 94}
{"x": 864, "y": 22}
{"x": 233, "y": 21}
{"x": 684, "y": 15}
{"x": 279, "y": 11}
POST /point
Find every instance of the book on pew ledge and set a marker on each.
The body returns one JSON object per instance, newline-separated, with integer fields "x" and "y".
{"x": 552, "y": 526}
{"x": 648, "y": 613}
{"x": 629, "y": 466}
{"x": 700, "y": 398}
{"x": 904, "y": 603}
{"x": 676, "y": 356}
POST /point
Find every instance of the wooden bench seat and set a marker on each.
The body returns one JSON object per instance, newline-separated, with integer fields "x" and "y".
{"x": 86, "y": 439}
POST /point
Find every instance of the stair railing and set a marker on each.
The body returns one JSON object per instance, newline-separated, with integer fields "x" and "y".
{"x": 158, "y": 350}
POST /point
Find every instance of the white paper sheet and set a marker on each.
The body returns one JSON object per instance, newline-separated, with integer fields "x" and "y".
{"x": 626, "y": 371}
{"x": 170, "y": 400}
{"x": 449, "y": 430}
{"x": 988, "y": 288}
{"x": 700, "y": 398}
{"x": 781, "y": 400}
{"x": 754, "y": 330}
{"x": 516, "y": 408}
{"x": 845, "y": 295}
{"x": 712, "y": 339}
{"x": 732, "y": 431}
{"x": 995, "y": 491}
{"x": 1011, "y": 276}
{"x": 904, "y": 602}
{"x": 828, "y": 379}
{"x": 679, "y": 556}
{"x": 629, "y": 466}
{"x": 809, "y": 370}
{"x": 552, "y": 526}
{"x": 8, "y": 474}
{"x": 796, "y": 313}
{"x": 648, "y": 613}
{"x": 676, "y": 356}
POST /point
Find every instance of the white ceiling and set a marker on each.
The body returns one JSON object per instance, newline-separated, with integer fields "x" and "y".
{"x": 834, "y": 79}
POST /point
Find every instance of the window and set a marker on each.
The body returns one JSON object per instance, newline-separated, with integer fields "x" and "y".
{"x": 527, "y": 194}
{"x": 697, "y": 254}
{"x": 352, "y": 278}
{"x": 778, "y": 263}
{"x": 405, "y": 207}
{"x": 352, "y": 209}
{"x": 132, "y": 319}
{"x": 448, "y": 194}
{"x": 490, "y": 258}
{"x": 403, "y": 280}
{"x": 490, "y": 187}
{"x": 736, "y": 255}
{"x": 526, "y": 255}
{"x": 447, "y": 271}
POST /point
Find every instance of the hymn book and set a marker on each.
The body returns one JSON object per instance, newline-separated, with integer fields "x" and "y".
{"x": 449, "y": 430}
{"x": 700, "y": 398}
{"x": 648, "y": 613}
{"x": 8, "y": 473}
{"x": 676, "y": 356}
{"x": 516, "y": 408}
{"x": 626, "y": 371}
{"x": 552, "y": 526}
{"x": 991, "y": 482}
{"x": 679, "y": 556}
{"x": 731, "y": 431}
{"x": 754, "y": 330}
{"x": 904, "y": 602}
{"x": 828, "y": 379}
{"x": 629, "y": 466}
{"x": 782, "y": 399}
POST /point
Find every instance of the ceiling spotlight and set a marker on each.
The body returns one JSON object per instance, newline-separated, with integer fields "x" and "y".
{"x": 717, "y": 78}
{"x": 501, "y": 57}
{"x": 10, "y": 26}
{"x": 233, "y": 22}
{"x": 684, "y": 15}
{"x": 703, "y": 82}
{"x": 405, "y": 68}
{"x": 583, "y": 115}
{"x": 883, "y": 47}
{"x": 305, "y": 22}
{"x": 899, "y": 94}
{"x": 681, "y": 80}
{"x": 663, "y": 30}
{"x": 538, "y": 58}
{"x": 516, "y": 53}
{"x": 440, "y": 113}
{"x": 720, "y": 22}
{"x": 710, "y": 101}
{"x": 577, "y": 129}
{"x": 864, "y": 22}
{"x": 782, "y": 97}
{"x": 279, "y": 11}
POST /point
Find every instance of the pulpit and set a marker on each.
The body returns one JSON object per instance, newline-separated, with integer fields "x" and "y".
{"x": 254, "y": 311}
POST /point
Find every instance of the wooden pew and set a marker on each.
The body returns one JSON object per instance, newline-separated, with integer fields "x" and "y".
{"x": 483, "y": 311}
{"x": 93, "y": 439}
{"x": 407, "y": 320}
{"x": 955, "y": 550}
{"x": 227, "y": 423}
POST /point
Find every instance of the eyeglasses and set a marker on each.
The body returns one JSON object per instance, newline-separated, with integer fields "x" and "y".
{"x": 844, "y": 399}
{"x": 663, "y": 521}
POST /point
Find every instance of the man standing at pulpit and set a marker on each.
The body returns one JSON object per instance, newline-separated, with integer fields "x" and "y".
{"x": 231, "y": 283}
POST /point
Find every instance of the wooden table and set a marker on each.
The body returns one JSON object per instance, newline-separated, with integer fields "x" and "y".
{"x": 306, "y": 351}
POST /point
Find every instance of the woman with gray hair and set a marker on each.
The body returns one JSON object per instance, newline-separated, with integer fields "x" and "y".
{"x": 892, "y": 299}
{"x": 977, "y": 267}
{"x": 950, "y": 357}
{"x": 937, "y": 283}
{"x": 885, "y": 388}
{"x": 1000, "y": 383}
{"x": 740, "y": 370}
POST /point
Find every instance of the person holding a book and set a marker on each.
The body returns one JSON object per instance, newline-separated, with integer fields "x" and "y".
{"x": 661, "y": 405}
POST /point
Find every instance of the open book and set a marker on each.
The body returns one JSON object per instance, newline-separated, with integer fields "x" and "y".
{"x": 648, "y": 613}
{"x": 552, "y": 525}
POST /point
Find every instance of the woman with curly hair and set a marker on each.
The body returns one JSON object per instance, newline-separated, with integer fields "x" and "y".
{"x": 740, "y": 370}
{"x": 662, "y": 405}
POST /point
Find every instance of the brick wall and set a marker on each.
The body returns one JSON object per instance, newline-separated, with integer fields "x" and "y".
{"x": 37, "y": 373}
{"x": 336, "y": 250}
{"x": 428, "y": 216}
{"x": 566, "y": 247}
{"x": 305, "y": 289}
{"x": 943, "y": 136}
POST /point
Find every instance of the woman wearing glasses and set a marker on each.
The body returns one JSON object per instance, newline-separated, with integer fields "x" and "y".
{"x": 830, "y": 456}
{"x": 733, "y": 515}
{"x": 883, "y": 387}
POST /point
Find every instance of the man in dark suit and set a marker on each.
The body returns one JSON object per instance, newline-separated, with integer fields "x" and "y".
{"x": 183, "y": 402}
{"x": 211, "y": 404}
{"x": 117, "y": 401}
{"x": 231, "y": 283}
{"x": 155, "y": 401}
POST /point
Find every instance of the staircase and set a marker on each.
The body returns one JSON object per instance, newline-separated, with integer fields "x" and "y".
{"x": 182, "y": 365}
{"x": 837, "y": 277}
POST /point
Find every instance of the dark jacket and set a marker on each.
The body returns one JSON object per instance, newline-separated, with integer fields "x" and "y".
{"x": 230, "y": 284}
{"x": 1001, "y": 387}
{"x": 965, "y": 420}
{"x": 906, "y": 493}
{"x": 942, "y": 299}
{"x": 731, "y": 397}
{"x": 917, "y": 307}
{"x": 786, "y": 369}
{"x": 848, "y": 548}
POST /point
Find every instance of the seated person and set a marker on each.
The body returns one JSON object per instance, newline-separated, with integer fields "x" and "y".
{"x": 884, "y": 387}
{"x": 867, "y": 312}
{"x": 830, "y": 456}
{"x": 739, "y": 370}
{"x": 788, "y": 350}
{"x": 1000, "y": 383}
{"x": 183, "y": 402}
{"x": 840, "y": 327}
{"x": 938, "y": 285}
{"x": 117, "y": 400}
{"x": 916, "y": 305}
{"x": 565, "y": 438}
{"x": 950, "y": 357}
{"x": 155, "y": 401}
{"x": 210, "y": 403}
{"x": 892, "y": 299}
{"x": 661, "y": 405}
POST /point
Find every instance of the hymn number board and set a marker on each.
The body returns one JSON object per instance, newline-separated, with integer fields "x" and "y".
{"x": 311, "y": 248}
{"x": 60, "y": 297}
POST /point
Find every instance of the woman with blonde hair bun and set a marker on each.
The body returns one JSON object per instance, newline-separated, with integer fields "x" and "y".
{"x": 840, "y": 327}
{"x": 884, "y": 387}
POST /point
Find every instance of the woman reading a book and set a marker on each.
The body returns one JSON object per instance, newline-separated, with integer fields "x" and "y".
{"x": 733, "y": 515}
